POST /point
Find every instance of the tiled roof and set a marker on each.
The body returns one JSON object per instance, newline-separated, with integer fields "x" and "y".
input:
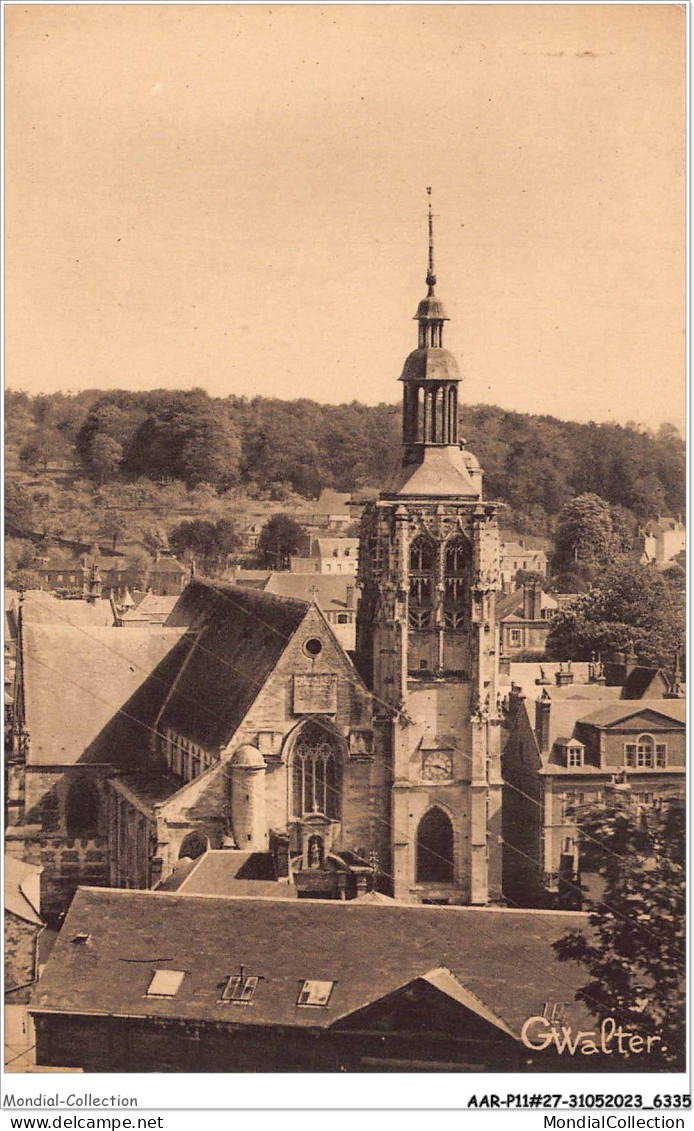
{"x": 39, "y": 607}
{"x": 515, "y": 550}
{"x": 218, "y": 870}
{"x": 152, "y": 608}
{"x": 510, "y": 606}
{"x": 236, "y": 636}
{"x": 329, "y": 591}
{"x": 17, "y": 872}
{"x": 167, "y": 565}
{"x": 228, "y": 872}
{"x": 525, "y": 675}
{"x": 326, "y": 547}
{"x": 503, "y": 957}
{"x": 331, "y": 502}
{"x": 91, "y": 693}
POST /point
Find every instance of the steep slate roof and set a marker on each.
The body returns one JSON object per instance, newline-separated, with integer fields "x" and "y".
{"x": 150, "y": 787}
{"x": 511, "y": 605}
{"x": 503, "y": 957}
{"x": 638, "y": 682}
{"x": 673, "y": 709}
{"x": 236, "y": 636}
{"x": 91, "y": 693}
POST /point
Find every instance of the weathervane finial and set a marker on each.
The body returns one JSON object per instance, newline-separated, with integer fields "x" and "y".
{"x": 431, "y": 276}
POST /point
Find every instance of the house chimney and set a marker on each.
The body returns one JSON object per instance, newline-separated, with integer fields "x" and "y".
{"x": 543, "y": 706}
{"x": 630, "y": 659}
{"x": 516, "y": 698}
{"x": 564, "y": 677}
{"x": 532, "y": 600}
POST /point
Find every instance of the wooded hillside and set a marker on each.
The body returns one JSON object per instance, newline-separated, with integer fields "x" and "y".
{"x": 270, "y": 448}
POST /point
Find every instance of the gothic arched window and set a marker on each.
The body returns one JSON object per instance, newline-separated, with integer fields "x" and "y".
{"x": 435, "y": 848}
{"x": 315, "y": 773}
{"x": 82, "y": 809}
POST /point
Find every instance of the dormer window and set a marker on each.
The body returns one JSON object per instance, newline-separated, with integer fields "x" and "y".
{"x": 572, "y": 752}
{"x": 240, "y": 989}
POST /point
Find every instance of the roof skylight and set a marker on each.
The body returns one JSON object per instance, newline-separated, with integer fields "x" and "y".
{"x": 165, "y": 983}
{"x": 315, "y": 993}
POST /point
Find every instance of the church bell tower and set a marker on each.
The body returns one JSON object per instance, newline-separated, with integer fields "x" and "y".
{"x": 427, "y": 640}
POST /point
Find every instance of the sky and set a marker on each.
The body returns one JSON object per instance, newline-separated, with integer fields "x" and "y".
{"x": 233, "y": 197}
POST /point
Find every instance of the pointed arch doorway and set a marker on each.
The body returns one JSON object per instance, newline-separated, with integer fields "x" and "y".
{"x": 434, "y": 860}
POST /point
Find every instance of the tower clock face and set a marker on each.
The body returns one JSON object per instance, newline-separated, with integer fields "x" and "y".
{"x": 437, "y": 766}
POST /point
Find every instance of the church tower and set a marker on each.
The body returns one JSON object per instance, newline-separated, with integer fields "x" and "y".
{"x": 427, "y": 640}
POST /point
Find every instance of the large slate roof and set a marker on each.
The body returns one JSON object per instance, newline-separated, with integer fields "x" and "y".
{"x": 503, "y": 957}
{"x": 92, "y": 694}
{"x": 235, "y": 638}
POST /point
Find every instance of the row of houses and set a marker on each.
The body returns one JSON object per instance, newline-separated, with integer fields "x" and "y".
{"x": 111, "y": 575}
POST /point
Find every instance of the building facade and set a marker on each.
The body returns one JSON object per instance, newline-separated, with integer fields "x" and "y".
{"x": 565, "y": 754}
{"x": 426, "y": 637}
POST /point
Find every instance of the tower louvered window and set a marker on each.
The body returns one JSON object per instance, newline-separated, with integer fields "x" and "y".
{"x": 456, "y": 582}
{"x": 422, "y": 562}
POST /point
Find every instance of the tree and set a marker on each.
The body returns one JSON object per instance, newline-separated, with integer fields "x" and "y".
{"x": 635, "y": 955}
{"x": 280, "y": 538}
{"x": 23, "y": 579}
{"x": 629, "y": 602}
{"x": 527, "y": 576}
{"x": 41, "y": 447}
{"x": 625, "y": 529}
{"x": 185, "y": 436}
{"x": 114, "y": 526}
{"x": 19, "y": 554}
{"x": 139, "y": 566}
{"x": 209, "y": 543}
{"x": 105, "y": 456}
{"x": 19, "y": 507}
{"x": 585, "y": 533}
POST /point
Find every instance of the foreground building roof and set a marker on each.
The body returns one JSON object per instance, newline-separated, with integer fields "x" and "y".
{"x": 500, "y": 961}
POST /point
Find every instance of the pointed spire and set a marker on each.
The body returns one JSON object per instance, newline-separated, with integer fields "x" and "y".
{"x": 430, "y": 309}
{"x": 431, "y": 275}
